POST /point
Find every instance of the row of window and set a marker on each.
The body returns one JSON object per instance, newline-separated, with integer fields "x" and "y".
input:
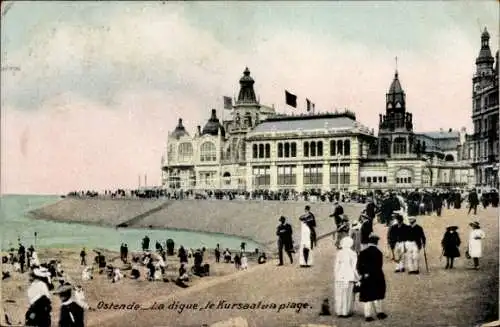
{"x": 403, "y": 180}
{"x": 313, "y": 175}
{"x": 374, "y": 179}
{"x": 311, "y": 149}
{"x": 261, "y": 150}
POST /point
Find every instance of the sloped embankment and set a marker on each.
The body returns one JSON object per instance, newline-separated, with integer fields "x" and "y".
{"x": 103, "y": 212}
{"x": 255, "y": 220}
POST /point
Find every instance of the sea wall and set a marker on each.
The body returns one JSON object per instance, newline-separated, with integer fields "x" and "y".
{"x": 103, "y": 212}
{"x": 253, "y": 220}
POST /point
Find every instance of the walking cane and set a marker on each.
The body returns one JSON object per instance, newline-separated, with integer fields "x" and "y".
{"x": 425, "y": 259}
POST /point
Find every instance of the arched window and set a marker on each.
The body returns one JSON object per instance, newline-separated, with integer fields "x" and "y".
{"x": 347, "y": 147}
{"x": 254, "y": 151}
{"x": 185, "y": 152}
{"x": 208, "y": 152}
{"x": 280, "y": 150}
{"x": 339, "y": 147}
{"x": 294, "y": 150}
{"x": 261, "y": 150}
{"x": 404, "y": 176}
{"x": 399, "y": 146}
{"x": 287, "y": 150}
{"x": 320, "y": 148}
{"x": 333, "y": 148}
{"x": 227, "y": 178}
{"x": 268, "y": 150}
{"x": 313, "y": 149}
{"x": 306, "y": 149}
{"x": 384, "y": 146}
{"x": 449, "y": 157}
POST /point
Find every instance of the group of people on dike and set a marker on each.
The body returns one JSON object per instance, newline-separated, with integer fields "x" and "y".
{"x": 359, "y": 261}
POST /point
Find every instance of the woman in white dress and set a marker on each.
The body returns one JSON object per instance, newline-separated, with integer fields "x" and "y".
{"x": 475, "y": 243}
{"x": 345, "y": 275}
{"x": 305, "y": 252}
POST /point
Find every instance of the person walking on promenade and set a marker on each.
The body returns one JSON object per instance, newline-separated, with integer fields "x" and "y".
{"x": 371, "y": 209}
{"x": 416, "y": 240}
{"x": 397, "y": 237}
{"x": 285, "y": 240}
{"x": 145, "y": 243}
{"x": 365, "y": 231}
{"x": 346, "y": 276}
{"x": 473, "y": 201}
{"x": 310, "y": 220}
{"x": 437, "y": 199}
{"x": 475, "y": 243}
{"x": 337, "y": 214}
{"x": 306, "y": 242}
{"x": 373, "y": 287}
{"x": 450, "y": 244}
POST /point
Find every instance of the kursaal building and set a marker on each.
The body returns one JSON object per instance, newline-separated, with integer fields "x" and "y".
{"x": 259, "y": 149}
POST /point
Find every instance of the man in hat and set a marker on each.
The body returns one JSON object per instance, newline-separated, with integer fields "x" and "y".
{"x": 309, "y": 219}
{"x": 473, "y": 201}
{"x": 397, "y": 237}
{"x": 285, "y": 240}
{"x": 72, "y": 313}
{"x": 416, "y": 240}
{"x": 342, "y": 230}
{"x": 337, "y": 214}
{"x": 373, "y": 287}
{"x": 371, "y": 209}
{"x": 365, "y": 230}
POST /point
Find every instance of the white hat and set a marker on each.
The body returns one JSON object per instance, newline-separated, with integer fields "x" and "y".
{"x": 41, "y": 272}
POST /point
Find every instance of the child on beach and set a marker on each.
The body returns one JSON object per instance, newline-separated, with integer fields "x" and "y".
{"x": 475, "y": 243}
{"x": 450, "y": 244}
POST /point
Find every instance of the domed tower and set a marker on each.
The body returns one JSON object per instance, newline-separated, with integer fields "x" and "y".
{"x": 396, "y": 126}
{"x": 247, "y": 93}
{"x": 484, "y": 64}
{"x": 179, "y": 131}
{"x": 213, "y": 126}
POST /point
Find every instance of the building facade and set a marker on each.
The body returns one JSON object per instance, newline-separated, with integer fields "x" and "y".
{"x": 260, "y": 149}
{"x": 484, "y": 147}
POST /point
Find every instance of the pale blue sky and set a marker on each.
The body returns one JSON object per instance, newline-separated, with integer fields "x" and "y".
{"x": 131, "y": 69}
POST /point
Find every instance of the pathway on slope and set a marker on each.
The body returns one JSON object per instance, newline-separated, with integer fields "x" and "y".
{"x": 461, "y": 297}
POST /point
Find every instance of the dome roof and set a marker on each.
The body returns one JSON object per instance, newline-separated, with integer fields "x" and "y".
{"x": 179, "y": 131}
{"x": 395, "y": 85}
{"x": 246, "y": 77}
{"x": 213, "y": 126}
{"x": 485, "y": 52}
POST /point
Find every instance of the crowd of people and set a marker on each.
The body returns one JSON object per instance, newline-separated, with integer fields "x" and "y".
{"x": 359, "y": 261}
{"x": 47, "y": 279}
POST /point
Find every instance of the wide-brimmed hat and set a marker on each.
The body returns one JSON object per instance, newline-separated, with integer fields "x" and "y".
{"x": 397, "y": 216}
{"x": 282, "y": 218}
{"x": 66, "y": 287}
{"x": 41, "y": 272}
{"x": 452, "y": 228}
{"x": 412, "y": 218}
{"x": 475, "y": 224}
{"x": 307, "y": 207}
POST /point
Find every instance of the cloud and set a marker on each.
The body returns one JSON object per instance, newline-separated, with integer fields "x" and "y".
{"x": 93, "y": 103}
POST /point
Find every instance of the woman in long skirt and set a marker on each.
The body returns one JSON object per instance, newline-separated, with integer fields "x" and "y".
{"x": 346, "y": 276}
{"x": 305, "y": 252}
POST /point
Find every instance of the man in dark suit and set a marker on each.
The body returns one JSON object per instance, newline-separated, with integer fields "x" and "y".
{"x": 310, "y": 220}
{"x": 373, "y": 287}
{"x": 285, "y": 241}
{"x": 473, "y": 201}
{"x": 72, "y": 313}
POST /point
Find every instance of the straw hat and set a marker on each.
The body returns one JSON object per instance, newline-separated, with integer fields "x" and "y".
{"x": 475, "y": 224}
{"x": 66, "y": 287}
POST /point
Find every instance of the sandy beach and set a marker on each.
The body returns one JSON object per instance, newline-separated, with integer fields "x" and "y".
{"x": 15, "y": 301}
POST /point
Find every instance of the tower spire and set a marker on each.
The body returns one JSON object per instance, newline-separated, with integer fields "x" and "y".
{"x": 396, "y": 59}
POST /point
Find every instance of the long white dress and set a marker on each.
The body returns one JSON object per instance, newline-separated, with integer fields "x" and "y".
{"x": 305, "y": 244}
{"x": 345, "y": 275}
{"x": 475, "y": 245}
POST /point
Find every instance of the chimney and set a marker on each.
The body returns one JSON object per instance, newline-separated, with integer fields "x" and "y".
{"x": 199, "y": 129}
{"x": 180, "y": 122}
{"x": 450, "y": 130}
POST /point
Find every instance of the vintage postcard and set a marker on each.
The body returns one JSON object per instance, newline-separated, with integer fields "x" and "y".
{"x": 249, "y": 164}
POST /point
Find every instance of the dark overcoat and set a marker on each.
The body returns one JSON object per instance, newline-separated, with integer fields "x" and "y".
{"x": 450, "y": 244}
{"x": 370, "y": 263}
